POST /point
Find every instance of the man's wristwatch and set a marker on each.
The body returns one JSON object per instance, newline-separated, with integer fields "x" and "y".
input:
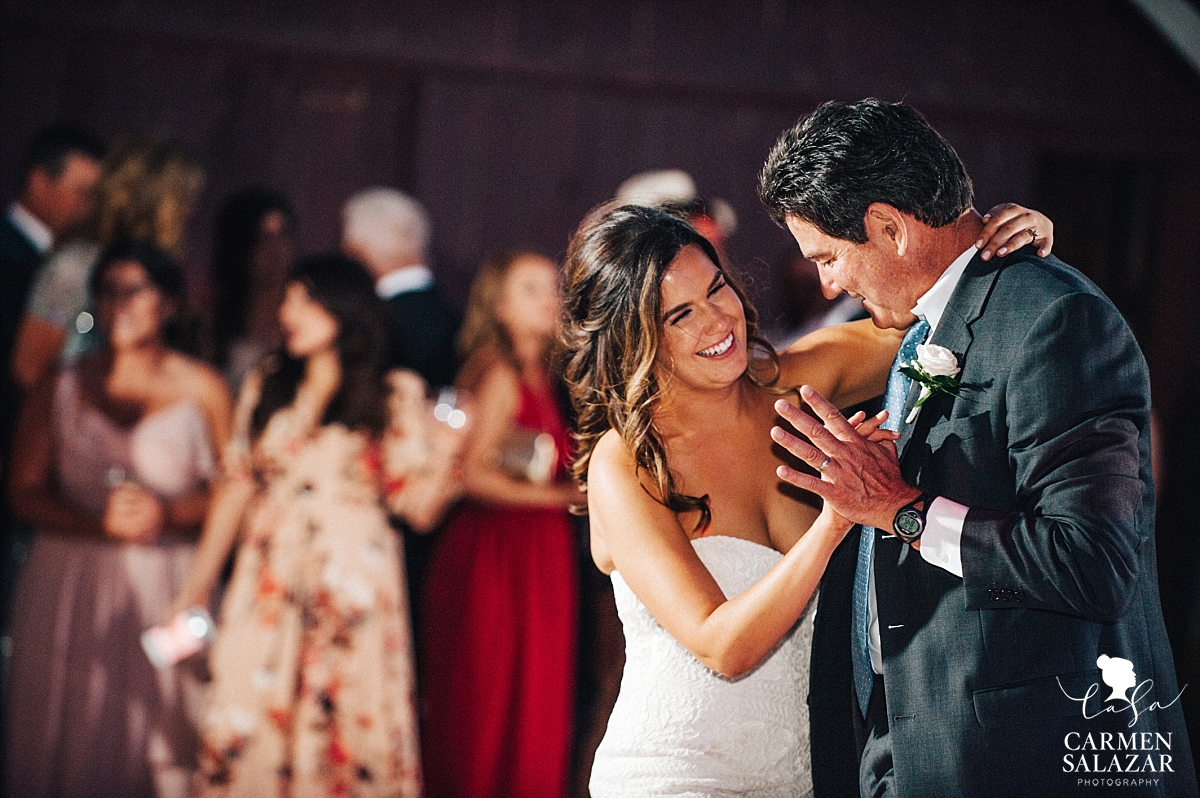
{"x": 909, "y": 522}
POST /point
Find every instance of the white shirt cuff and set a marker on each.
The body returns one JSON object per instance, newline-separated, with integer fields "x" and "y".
{"x": 874, "y": 645}
{"x": 941, "y": 542}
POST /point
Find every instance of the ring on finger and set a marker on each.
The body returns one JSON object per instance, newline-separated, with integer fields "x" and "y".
{"x": 1033, "y": 233}
{"x": 824, "y": 464}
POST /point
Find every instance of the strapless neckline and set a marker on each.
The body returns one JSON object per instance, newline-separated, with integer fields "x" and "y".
{"x": 682, "y": 730}
{"x": 755, "y": 544}
{"x": 759, "y": 548}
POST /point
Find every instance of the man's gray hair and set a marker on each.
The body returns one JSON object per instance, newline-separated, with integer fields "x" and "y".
{"x": 386, "y": 224}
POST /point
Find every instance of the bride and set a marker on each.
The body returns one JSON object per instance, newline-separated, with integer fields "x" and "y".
{"x": 714, "y": 563}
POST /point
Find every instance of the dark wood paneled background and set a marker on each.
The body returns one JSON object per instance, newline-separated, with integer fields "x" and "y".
{"x": 511, "y": 118}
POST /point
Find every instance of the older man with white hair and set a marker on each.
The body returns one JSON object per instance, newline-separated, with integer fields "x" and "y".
{"x": 389, "y": 232}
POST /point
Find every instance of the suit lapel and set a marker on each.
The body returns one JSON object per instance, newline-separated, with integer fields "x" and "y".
{"x": 954, "y": 333}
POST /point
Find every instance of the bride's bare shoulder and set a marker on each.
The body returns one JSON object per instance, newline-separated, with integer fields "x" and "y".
{"x": 611, "y": 458}
{"x": 619, "y": 505}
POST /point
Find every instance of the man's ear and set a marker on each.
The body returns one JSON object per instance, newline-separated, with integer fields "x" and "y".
{"x": 887, "y": 226}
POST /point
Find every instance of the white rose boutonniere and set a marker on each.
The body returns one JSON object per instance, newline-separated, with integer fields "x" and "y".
{"x": 936, "y": 369}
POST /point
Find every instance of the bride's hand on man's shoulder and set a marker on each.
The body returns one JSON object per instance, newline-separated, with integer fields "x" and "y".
{"x": 1008, "y": 227}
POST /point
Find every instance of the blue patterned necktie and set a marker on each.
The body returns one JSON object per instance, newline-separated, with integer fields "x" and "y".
{"x": 893, "y": 401}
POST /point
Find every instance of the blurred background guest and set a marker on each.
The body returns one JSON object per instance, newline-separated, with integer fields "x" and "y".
{"x": 111, "y": 464}
{"x": 254, "y": 248}
{"x": 146, "y": 191}
{"x": 57, "y": 172}
{"x": 389, "y": 232}
{"x": 500, "y": 605}
{"x": 313, "y": 688}
{"x": 675, "y": 191}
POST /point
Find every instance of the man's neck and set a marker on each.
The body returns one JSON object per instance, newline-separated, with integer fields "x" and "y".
{"x": 932, "y": 304}
{"x": 942, "y": 245}
{"x": 937, "y": 247}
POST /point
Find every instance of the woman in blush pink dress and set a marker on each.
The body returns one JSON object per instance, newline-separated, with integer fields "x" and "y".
{"x": 111, "y": 465}
{"x": 500, "y": 604}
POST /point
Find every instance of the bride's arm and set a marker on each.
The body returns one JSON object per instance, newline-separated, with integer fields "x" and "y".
{"x": 851, "y": 360}
{"x": 1008, "y": 227}
{"x": 652, "y": 551}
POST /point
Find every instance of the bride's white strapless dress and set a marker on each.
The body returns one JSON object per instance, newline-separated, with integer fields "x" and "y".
{"x": 683, "y": 730}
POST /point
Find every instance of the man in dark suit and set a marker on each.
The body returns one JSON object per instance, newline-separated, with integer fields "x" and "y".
{"x": 1006, "y": 566}
{"x": 389, "y": 232}
{"x": 58, "y": 171}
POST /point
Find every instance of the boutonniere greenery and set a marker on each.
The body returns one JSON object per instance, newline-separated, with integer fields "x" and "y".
{"x": 936, "y": 370}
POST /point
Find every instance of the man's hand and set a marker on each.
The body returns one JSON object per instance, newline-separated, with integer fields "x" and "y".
{"x": 859, "y": 478}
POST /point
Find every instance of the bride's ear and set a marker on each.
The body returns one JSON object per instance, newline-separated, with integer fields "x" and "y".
{"x": 887, "y": 226}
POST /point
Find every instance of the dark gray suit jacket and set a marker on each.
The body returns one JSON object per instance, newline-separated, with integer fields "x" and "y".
{"x": 1050, "y": 448}
{"x": 19, "y": 261}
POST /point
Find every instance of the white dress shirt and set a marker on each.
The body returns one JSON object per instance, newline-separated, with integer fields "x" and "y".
{"x": 31, "y": 227}
{"x": 941, "y": 542}
{"x": 403, "y": 281}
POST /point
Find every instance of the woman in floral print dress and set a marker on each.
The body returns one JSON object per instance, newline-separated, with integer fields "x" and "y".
{"x": 313, "y": 689}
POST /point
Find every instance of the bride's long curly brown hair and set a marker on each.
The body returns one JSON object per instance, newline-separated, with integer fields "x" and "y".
{"x": 611, "y": 333}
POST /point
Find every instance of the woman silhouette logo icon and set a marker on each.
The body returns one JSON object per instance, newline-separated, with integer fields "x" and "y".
{"x": 1117, "y": 674}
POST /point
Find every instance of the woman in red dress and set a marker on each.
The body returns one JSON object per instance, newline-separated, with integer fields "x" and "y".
{"x": 500, "y": 605}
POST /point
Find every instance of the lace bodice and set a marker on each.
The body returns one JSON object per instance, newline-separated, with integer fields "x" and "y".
{"x": 681, "y": 729}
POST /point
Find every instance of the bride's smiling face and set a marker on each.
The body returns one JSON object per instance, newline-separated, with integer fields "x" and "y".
{"x": 703, "y": 323}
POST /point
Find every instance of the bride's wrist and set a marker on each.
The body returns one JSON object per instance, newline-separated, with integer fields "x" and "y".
{"x": 831, "y": 528}
{"x": 834, "y": 520}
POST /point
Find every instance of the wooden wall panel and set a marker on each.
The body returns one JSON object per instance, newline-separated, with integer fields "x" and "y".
{"x": 511, "y": 119}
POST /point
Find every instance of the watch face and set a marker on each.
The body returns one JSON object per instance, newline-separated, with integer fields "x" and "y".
{"x": 908, "y": 525}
